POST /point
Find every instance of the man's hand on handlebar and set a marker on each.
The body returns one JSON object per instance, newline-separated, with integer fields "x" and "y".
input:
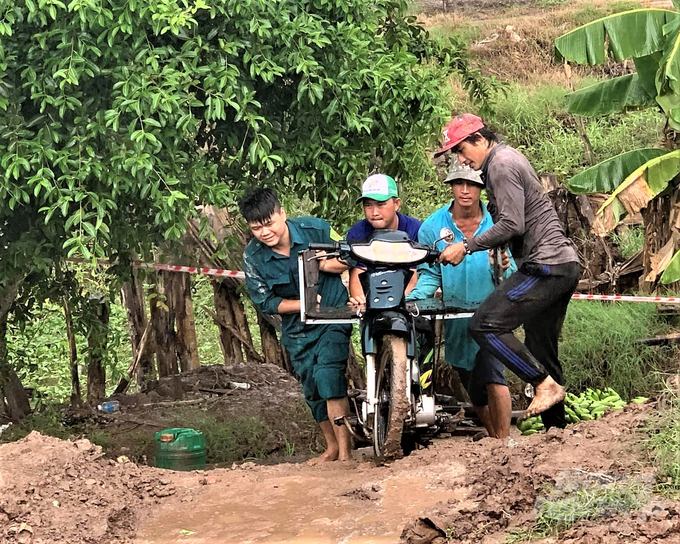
{"x": 330, "y": 265}
{"x": 321, "y": 257}
{"x": 453, "y": 254}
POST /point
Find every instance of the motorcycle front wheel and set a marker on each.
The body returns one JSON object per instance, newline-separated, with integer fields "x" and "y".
{"x": 392, "y": 404}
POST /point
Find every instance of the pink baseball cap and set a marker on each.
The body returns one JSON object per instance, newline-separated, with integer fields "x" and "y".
{"x": 459, "y": 128}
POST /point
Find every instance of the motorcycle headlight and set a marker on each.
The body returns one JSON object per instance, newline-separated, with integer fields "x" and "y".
{"x": 382, "y": 252}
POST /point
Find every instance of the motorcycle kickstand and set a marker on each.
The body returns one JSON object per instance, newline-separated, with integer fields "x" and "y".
{"x": 345, "y": 420}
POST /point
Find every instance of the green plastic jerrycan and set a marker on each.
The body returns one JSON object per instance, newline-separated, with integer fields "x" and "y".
{"x": 180, "y": 449}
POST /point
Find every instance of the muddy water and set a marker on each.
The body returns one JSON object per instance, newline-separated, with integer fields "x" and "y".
{"x": 296, "y": 504}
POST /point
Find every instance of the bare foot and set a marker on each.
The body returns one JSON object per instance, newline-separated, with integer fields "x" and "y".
{"x": 548, "y": 393}
{"x": 328, "y": 455}
{"x": 345, "y": 456}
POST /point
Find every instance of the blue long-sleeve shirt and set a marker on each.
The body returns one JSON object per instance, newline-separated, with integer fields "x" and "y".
{"x": 466, "y": 285}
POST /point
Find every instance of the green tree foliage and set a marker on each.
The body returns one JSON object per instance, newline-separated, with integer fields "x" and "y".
{"x": 119, "y": 117}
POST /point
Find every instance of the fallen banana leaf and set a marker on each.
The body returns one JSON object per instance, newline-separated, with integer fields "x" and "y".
{"x": 659, "y": 262}
{"x": 637, "y": 190}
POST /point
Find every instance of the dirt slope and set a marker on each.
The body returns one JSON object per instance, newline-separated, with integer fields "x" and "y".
{"x": 58, "y": 491}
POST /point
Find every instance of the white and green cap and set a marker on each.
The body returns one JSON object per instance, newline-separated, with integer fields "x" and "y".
{"x": 379, "y": 187}
{"x": 460, "y": 171}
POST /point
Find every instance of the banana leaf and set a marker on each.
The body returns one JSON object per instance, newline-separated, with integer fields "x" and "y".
{"x": 647, "y": 68}
{"x": 672, "y": 272}
{"x": 630, "y": 34}
{"x": 610, "y": 96}
{"x": 606, "y": 176}
{"x": 637, "y": 190}
{"x": 668, "y": 75}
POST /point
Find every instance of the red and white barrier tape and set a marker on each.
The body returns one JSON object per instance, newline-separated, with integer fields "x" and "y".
{"x": 627, "y": 298}
{"x": 194, "y": 270}
{"x": 241, "y": 275}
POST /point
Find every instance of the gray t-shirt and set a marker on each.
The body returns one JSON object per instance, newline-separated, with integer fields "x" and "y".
{"x": 522, "y": 212}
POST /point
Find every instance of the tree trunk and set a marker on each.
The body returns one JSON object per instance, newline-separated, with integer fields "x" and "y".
{"x": 17, "y": 404}
{"x": 132, "y": 294}
{"x": 163, "y": 320}
{"x": 144, "y": 347}
{"x": 659, "y": 217}
{"x": 76, "y": 397}
{"x": 97, "y": 339}
{"x": 3, "y": 406}
{"x": 224, "y": 291}
{"x": 241, "y": 317}
{"x": 271, "y": 348}
{"x": 187, "y": 343}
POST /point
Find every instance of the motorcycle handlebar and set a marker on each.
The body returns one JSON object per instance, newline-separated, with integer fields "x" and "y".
{"x": 328, "y": 248}
{"x": 433, "y": 255}
{"x": 335, "y": 247}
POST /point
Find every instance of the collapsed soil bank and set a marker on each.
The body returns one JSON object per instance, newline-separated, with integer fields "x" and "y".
{"x": 53, "y": 490}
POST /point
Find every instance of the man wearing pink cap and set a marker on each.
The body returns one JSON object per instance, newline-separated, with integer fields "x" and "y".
{"x": 537, "y": 295}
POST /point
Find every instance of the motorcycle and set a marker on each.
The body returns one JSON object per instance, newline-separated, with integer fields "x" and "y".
{"x": 399, "y": 400}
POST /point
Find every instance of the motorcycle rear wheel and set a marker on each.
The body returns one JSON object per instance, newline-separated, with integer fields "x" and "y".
{"x": 392, "y": 405}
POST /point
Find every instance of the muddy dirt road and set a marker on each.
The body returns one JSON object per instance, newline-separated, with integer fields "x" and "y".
{"x": 298, "y": 503}
{"x": 453, "y": 491}
{"x": 468, "y": 492}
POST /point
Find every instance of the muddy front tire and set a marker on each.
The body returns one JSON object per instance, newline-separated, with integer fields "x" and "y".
{"x": 392, "y": 404}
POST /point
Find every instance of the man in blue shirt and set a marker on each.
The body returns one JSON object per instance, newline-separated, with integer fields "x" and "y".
{"x": 318, "y": 352}
{"x": 381, "y": 202}
{"x": 467, "y": 285}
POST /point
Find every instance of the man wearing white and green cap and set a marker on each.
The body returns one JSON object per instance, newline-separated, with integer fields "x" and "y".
{"x": 381, "y": 202}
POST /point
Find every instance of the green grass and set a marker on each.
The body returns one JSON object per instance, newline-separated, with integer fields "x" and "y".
{"x": 464, "y": 31}
{"x": 535, "y": 121}
{"x": 623, "y": 5}
{"x": 598, "y": 348}
{"x": 587, "y": 15}
{"x": 664, "y": 443}
{"x": 560, "y": 511}
{"x": 47, "y": 421}
{"x": 550, "y": 3}
{"x": 228, "y": 441}
{"x": 590, "y": 13}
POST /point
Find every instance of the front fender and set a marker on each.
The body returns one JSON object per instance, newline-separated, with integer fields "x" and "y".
{"x": 394, "y": 323}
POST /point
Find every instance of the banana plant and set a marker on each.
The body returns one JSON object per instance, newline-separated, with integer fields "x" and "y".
{"x": 651, "y": 38}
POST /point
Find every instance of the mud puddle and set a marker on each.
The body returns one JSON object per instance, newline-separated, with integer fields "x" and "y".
{"x": 357, "y": 503}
